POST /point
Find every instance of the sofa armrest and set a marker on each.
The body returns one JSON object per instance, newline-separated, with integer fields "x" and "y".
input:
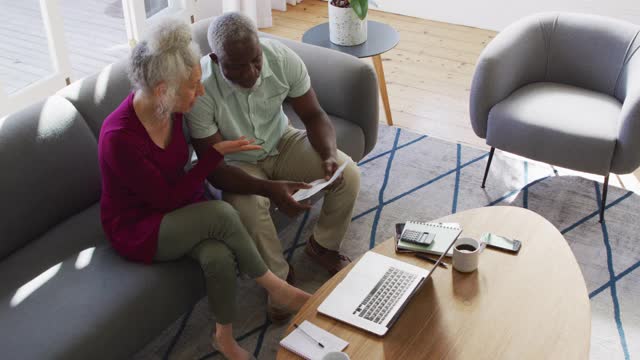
{"x": 517, "y": 56}
{"x": 346, "y": 87}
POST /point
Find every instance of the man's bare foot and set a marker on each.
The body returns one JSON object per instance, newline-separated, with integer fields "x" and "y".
{"x": 228, "y": 346}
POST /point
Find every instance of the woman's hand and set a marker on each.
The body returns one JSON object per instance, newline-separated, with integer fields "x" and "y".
{"x": 234, "y": 146}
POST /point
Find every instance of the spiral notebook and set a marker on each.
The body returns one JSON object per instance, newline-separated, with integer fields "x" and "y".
{"x": 445, "y": 234}
{"x": 304, "y": 341}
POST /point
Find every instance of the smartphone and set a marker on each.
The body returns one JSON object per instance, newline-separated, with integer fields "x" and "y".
{"x": 501, "y": 242}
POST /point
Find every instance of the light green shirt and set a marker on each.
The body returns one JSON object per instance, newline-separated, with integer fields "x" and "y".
{"x": 257, "y": 114}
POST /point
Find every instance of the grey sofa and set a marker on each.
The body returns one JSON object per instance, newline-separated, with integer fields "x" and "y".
{"x": 65, "y": 293}
{"x": 563, "y": 89}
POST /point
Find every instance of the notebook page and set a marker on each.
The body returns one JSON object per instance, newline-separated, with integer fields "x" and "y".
{"x": 301, "y": 344}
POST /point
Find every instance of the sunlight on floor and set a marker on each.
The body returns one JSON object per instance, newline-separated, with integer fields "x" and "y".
{"x": 506, "y": 168}
{"x": 627, "y": 182}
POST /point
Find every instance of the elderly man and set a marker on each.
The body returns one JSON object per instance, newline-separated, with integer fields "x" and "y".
{"x": 246, "y": 79}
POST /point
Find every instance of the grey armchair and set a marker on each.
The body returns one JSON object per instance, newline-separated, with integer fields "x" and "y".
{"x": 563, "y": 89}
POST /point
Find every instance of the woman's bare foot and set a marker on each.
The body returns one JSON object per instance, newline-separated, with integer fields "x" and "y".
{"x": 290, "y": 297}
{"x": 281, "y": 294}
{"x": 228, "y": 346}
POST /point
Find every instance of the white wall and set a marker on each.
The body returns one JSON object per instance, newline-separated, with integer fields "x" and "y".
{"x": 496, "y": 14}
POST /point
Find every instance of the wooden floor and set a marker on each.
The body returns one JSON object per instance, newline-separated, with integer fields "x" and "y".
{"x": 95, "y": 36}
{"x": 428, "y": 74}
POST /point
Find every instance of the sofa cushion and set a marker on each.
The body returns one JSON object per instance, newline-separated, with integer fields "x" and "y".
{"x": 349, "y": 136}
{"x": 49, "y": 163}
{"x": 78, "y": 301}
{"x": 559, "y": 124}
{"x": 70, "y": 237}
{"x": 96, "y": 96}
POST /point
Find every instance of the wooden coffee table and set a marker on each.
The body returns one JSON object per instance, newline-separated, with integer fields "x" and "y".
{"x": 530, "y": 306}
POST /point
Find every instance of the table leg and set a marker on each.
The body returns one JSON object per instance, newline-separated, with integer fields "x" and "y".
{"x": 382, "y": 84}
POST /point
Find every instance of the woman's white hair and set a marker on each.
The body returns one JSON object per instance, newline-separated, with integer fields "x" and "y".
{"x": 167, "y": 54}
{"x": 230, "y": 27}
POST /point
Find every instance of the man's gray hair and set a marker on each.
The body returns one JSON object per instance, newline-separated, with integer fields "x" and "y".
{"x": 167, "y": 53}
{"x": 230, "y": 27}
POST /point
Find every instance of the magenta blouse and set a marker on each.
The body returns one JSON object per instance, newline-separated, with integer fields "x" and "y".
{"x": 141, "y": 181}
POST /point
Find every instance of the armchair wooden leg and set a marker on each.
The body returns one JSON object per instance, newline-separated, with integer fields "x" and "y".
{"x": 486, "y": 170}
{"x": 605, "y": 187}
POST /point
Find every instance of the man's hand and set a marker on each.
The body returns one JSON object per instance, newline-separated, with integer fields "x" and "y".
{"x": 320, "y": 131}
{"x": 330, "y": 166}
{"x": 280, "y": 193}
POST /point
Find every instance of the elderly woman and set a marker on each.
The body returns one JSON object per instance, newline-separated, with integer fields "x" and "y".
{"x": 154, "y": 211}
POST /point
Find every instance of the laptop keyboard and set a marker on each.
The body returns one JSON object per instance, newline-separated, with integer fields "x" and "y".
{"x": 385, "y": 295}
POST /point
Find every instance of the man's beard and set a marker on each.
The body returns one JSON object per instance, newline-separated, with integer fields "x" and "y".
{"x": 240, "y": 88}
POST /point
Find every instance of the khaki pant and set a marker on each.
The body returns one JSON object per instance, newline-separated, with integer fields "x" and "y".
{"x": 297, "y": 161}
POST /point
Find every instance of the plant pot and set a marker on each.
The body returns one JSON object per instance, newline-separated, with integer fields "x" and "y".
{"x": 345, "y": 28}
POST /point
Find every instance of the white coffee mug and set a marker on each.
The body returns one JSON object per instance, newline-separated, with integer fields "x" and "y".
{"x": 336, "y": 355}
{"x": 466, "y": 260}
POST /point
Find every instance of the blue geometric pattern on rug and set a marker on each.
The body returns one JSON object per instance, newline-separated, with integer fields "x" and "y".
{"x": 577, "y": 201}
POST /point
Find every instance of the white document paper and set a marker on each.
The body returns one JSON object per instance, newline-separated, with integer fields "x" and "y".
{"x": 318, "y": 185}
{"x": 305, "y": 342}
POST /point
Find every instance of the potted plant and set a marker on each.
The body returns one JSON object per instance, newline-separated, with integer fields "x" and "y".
{"x": 348, "y": 22}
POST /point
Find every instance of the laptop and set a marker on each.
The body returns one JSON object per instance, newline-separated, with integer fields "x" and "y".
{"x": 375, "y": 291}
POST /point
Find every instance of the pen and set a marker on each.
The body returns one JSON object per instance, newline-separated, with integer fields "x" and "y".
{"x": 425, "y": 257}
{"x": 310, "y": 337}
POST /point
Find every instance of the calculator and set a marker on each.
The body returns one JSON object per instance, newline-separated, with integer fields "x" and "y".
{"x": 417, "y": 237}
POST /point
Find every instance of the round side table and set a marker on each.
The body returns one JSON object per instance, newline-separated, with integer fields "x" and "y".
{"x": 380, "y": 39}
